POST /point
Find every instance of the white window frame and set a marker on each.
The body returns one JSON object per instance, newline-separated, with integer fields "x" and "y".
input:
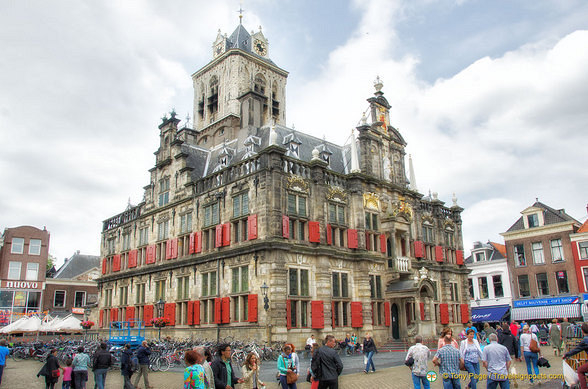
{"x": 538, "y": 255}
{"x": 11, "y": 267}
{"x": 559, "y": 248}
{"x": 64, "y": 299}
{"x": 83, "y": 300}
{"x": 37, "y": 247}
{"x": 17, "y": 242}
{"x": 36, "y": 278}
{"x": 583, "y": 248}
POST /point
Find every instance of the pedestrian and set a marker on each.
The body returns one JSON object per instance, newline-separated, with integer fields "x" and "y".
{"x": 420, "y": 355}
{"x": 555, "y": 336}
{"x": 194, "y": 377}
{"x": 447, "y": 335}
{"x": 471, "y": 353}
{"x": 514, "y": 329}
{"x": 4, "y": 351}
{"x": 470, "y": 326}
{"x": 354, "y": 341}
{"x": 206, "y": 365}
{"x": 488, "y": 329}
{"x": 295, "y": 358}
{"x": 224, "y": 374}
{"x": 531, "y": 356}
{"x": 314, "y": 382}
{"x": 348, "y": 345}
{"x": 67, "y": 374}
{"x": 250, "y": 372}
{"x": 101, "y": 363}
{"x": 369, "y": 349}
{"x": 448, "y": 359}
{"x": 287, "y": 368}
{"x": 81, "y": 364}
{"x": 566, "y": 329}
{"x": 327, "y": 365}
{"x": 496, "y": 360}
{"x": 508, "y": 340}
{"x": 126, "y": 367}
{"x": 143, "y": 353}
{"x": 582, "y": 346}
{"x": 51, "y": 369}
{"x": 534, "y": 328}
{"x": 308, "y": 346}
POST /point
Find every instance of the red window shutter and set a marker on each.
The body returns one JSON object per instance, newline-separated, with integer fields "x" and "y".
{"x": 314, "y": 232}
{"x": 419, "y": 249}
{"x": 129, "y": 313}
{"x": 169, "y": 312}
{"x": 217, "y": 310}
{"x": 352, "y": 239}
{"x": 101, "y": 320}
{"x": 333, "y": 314}
{"x": 356, "y": 314}
{"x": 192, "y": 243}
{"x": 444, "y": 313}
{"x": 196, "y": 313}
{"x": 226, "y": 310}
{"x": 288, "y": 315}
{"x": 285, "y": 226}
{"x": 133, "y": 258}
{"x": 252, "y": 308}
{"x": 168, "y": 251}
{"x": 227, "y": 234}
{"x": 103, "y": 265}
{"x": 198, "y": 242}
{"x": 317, "y": 314}
{"x": 459, "y": 257}
{"x": 329, "y": 235}
{"x": 174, "y": 248}
{"x": 367, "y": 242}
{"x": 383, "y": 243}
{"x": 150, "y": 254}
{"x": 116, "y": 263}
{"x": 148, "y": 315}
{"x": 190, "y": 313}
{"x": 218, "y": 241}
{"x": 252, "y": 227}
{"x": 113, "y": 314}
{"x": 439, "y": 253}
{"x": 422, "y": 311}
{"x": 387, "y": 313}
{"x": 465, "y": 313}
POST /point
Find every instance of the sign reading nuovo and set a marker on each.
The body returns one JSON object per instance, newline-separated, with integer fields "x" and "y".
{"x": 22, "y": 284}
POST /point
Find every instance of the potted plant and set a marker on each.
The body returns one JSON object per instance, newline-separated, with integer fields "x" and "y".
{"x": 87, "y": 324}
{"x": 160, "y": 322}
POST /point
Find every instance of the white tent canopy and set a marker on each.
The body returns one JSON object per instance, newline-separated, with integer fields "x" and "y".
{"x": 68, "y": 324}
{"x": 12, "y": 326}
{"x": 32, "y": 324}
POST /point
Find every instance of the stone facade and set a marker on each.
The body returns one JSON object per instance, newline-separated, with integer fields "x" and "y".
{"x": 254, "y": 230}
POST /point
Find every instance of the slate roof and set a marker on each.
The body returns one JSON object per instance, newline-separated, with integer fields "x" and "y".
{"x": 241, "y": 39}
{"x": 206, "y": 161}
{"x": 76, "y": 265}
{"x": 550, "y": 216}
{"x": 497, "y": 251}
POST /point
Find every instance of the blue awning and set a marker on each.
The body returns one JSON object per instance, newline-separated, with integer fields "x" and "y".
{"x": 493, "y": 313}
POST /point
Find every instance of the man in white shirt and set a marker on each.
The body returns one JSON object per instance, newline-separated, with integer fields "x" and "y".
{"x": 309, "y": 342}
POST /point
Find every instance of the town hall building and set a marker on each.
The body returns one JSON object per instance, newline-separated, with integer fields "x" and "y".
{"x": 255, "y": 230}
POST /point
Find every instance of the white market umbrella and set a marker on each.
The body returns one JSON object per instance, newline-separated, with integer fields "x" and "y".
{"x": 49, "y": 323}
{"x": 69, "y": 324}
{"x": 32, "y": 324}
{"x": 13, "y": 326}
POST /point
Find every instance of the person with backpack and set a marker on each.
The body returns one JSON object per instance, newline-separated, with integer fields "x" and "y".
{"x": 326, "y": 365}
{"x": 101, "y": 364}
{"x": 126, "y": 366}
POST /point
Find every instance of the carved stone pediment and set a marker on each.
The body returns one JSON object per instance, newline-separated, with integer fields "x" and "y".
{"x": 297, "y": 184}
{"x": 337, "y": 194}
{"x": 371, "y": 201}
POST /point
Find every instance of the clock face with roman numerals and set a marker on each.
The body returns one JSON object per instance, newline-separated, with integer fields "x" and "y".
{"x": 260, "y": 47}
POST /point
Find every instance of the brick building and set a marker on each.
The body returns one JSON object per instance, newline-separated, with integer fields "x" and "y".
{"x": 252, "y": 229}
{"x": 541, "y": 264}
{"x": 23, "y": 261}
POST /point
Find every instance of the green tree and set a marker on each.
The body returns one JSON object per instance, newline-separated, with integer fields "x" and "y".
{"x": 51, "y": 261}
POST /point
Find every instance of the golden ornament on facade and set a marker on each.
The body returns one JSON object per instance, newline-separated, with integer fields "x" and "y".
{"x": 335, "y": 193}
{"x": 449, "y": 224}
{"x": 297, "y": 183}
{"x": 402, "y": 208}
{"x": 371, "y": 201}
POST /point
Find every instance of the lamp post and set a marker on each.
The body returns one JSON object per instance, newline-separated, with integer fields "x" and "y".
{"x": 264, "y": 288}
{"x": 160, "y": 307}
{"x": 87, "y": 312}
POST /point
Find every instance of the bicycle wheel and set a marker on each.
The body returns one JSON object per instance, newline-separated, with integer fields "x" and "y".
{"x": 162, "y": 364}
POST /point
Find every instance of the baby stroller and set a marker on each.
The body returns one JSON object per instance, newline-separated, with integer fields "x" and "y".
{"x": 543, "y": 337}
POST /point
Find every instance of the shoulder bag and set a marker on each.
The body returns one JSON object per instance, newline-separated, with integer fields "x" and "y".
{"x": 533, "y": 346}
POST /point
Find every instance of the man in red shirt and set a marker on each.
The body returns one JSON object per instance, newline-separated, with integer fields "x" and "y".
{"x": 514, "y": 329}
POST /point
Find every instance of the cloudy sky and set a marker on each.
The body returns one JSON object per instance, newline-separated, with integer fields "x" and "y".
{"x": 491, "y": 96}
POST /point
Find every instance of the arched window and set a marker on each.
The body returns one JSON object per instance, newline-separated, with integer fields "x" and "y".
{"x": 213, "y": 96}
{"x": 259, "y": 84}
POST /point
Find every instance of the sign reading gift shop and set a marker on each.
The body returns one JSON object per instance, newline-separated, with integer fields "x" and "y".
{"x": 546, "y": 301}
{"x": 22, "y": 284}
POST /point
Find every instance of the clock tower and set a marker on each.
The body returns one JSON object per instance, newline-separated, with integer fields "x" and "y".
{"x": 240, "y": 90}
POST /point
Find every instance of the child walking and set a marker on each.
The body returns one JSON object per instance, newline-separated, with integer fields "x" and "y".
{"x": 67, "y": 370}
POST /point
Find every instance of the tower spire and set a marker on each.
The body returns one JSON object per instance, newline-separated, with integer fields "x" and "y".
{"x": 241, "y": 13}
{"x": 412, "y": 178}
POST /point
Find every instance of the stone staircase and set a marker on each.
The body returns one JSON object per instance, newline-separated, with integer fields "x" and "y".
{"x": 397, "y": 345}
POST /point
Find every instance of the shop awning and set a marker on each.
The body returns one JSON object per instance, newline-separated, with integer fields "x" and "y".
{"x": 546, "y": 312}
{"x": 490, "y": 314}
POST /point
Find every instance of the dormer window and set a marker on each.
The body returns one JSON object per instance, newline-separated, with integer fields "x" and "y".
{"x": 294, "y": 148}
{"x": 533, "y": 220}
{"x": 480, "y": 257}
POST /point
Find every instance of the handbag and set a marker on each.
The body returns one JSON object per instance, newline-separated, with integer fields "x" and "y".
{"x": 55, "y": 373}
{"x": 534, "y": 347}
{"x": 291, "y": 377}
{"x": 308, "y": 377}
{"x": 409, "y": 362}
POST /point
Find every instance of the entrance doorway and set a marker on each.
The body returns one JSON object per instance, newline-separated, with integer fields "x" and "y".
{"x": 395, "y": 323}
